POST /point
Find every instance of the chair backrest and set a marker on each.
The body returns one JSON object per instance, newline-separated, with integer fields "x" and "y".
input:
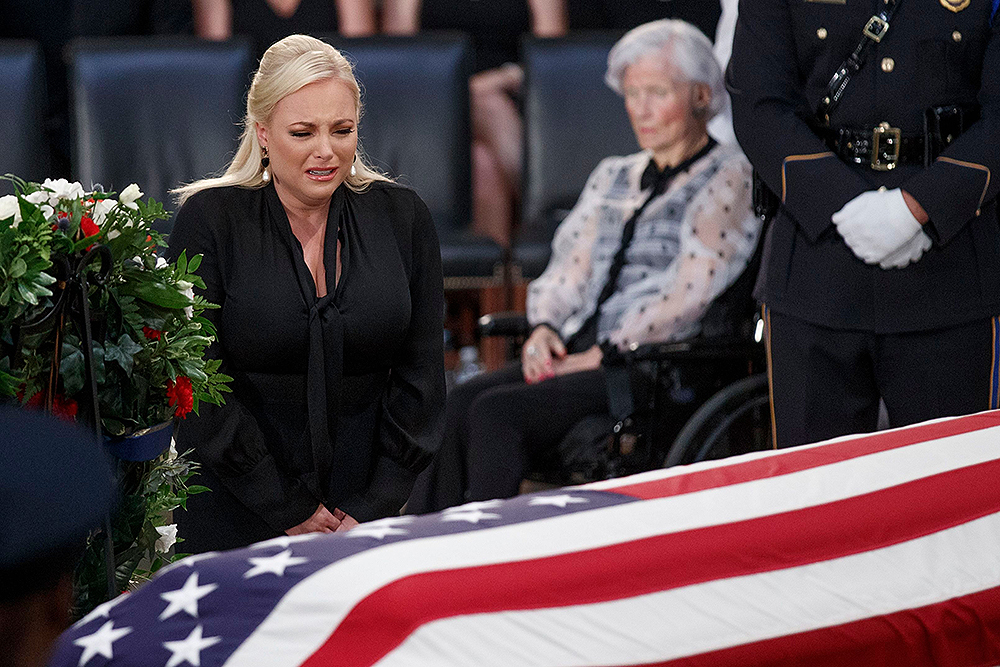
{"x": 25, "y": 151}
{"x": 415, "y": 124}
{"x": 155, "y": 111}
{"x": 572, "y": 120}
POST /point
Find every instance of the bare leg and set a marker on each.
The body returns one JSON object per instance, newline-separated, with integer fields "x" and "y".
{"x": 496, "y": 152}
{"x": 492, "y": 197}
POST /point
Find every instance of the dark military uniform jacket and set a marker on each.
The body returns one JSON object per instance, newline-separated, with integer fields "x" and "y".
{"x": 936, "y": 52}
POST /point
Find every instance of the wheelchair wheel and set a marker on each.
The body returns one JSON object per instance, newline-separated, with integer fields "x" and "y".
{"x": 736, "y": 420}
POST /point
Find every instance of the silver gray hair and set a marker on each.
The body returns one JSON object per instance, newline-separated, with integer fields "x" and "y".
{"x": 690, "y": 51}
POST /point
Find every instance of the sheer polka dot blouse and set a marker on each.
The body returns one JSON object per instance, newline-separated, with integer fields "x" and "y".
{"x": 689, "y": 244}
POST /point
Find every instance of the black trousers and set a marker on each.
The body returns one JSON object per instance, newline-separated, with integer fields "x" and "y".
{"x": 827, "y": 382}
{"x": 496, "y": 426}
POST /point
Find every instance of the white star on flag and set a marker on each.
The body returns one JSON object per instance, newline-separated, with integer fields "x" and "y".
{"x": 285, "y": 541}
{"x": 189, "y": 649}
{"x": 100, "y": 610}
{"x": 275, "y": 564}
{"x": 391, "y": 521}
{"x": 557, "y": 501}
{"x": 378, "y": 532}
{"x": 472, "y": 516}
{"x": 382, "y": 528}
{"x": 186, "y": 598}
{"x": 189, "y": 561}
{"x": 100, "y": 642}
{"x": 479, "y": 505}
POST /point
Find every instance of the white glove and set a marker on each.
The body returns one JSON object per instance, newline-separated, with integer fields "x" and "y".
{"x": 909, "y": 252}
{"x": 876, "y": 223}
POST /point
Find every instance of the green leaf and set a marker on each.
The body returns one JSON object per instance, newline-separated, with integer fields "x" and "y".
{"x": 18, "y": 268}
{"x": 197, "y": 488}
{"x": 192, "y": 370}
{"x": 113, "y": 426}
{"x": 27, "y": 295}
{"x": 194, "y": 263}
{"x": 157, "y": 293}
{"x": 71, "y": 369}
{"x": 38, "y": 290}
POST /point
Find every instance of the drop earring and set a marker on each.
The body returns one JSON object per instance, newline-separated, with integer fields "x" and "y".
{"x": 354, "y": 171}
{"x": 265, "y": 162}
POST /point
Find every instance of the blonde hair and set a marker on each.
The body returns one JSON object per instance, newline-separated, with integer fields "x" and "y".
{"x": 287, "y": 66}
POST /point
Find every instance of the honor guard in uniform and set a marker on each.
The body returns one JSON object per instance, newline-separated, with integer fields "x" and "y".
{"x": 875, "y": 125}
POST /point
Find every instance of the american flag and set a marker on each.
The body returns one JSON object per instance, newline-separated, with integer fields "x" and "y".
{"x": 881, "y": 549}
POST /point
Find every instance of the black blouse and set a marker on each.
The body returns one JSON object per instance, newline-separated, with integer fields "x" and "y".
{"x": 336, "y": 399}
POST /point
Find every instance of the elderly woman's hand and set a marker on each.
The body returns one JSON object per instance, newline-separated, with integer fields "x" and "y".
{"x": 542, "y": 346}
{"x": 587, "y": 360}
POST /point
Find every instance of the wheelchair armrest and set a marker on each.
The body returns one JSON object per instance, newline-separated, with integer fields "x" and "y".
{"x": 695, "y": 348}
{"x": 504, "y": 324}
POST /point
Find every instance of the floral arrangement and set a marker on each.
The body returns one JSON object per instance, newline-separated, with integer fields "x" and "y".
{"x": 148, "y": 351}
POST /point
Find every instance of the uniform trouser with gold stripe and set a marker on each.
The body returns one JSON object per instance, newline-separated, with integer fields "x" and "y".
{"x": 827, "y": 382}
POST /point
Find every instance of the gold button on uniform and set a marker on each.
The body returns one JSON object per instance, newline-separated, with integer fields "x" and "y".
{"x": 821, "y": 33}
{"x": 888, "y": 64}
{"x": 956, "y": 36}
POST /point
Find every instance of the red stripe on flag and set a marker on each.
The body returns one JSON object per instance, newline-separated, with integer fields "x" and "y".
{"x": 961, "y": 632}
{"x": 795, "y": 460}
{"x": 382, "y": 620}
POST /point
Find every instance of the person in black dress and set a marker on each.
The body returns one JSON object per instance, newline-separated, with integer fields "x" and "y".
{"x": 329, "y": 280}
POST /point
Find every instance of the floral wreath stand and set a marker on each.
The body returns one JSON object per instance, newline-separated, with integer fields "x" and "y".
{"x": 73, "y": 285}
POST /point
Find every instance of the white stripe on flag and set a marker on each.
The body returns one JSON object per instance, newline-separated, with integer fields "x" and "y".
{"x": 677, "y": 471}
{"x": 718, "y": 614}
{"x": 309, "y": 612}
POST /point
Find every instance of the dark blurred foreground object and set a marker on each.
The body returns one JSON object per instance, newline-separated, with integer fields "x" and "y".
{"x": 55, "y": 486}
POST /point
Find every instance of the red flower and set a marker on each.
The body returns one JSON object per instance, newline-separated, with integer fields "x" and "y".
{"x": 34, "y": 402}
{"x": 62, "y": 407}
{"x": 88, "y": 226}
{"x": 151, "y": 334}
{"x": 181, "y": 394}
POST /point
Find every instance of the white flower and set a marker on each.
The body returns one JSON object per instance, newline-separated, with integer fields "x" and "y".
{"x": 168, "y": 535}
{"x": 9, "y": 208}
{"x": 162, "y": 264}
{"x": 187, "y": 289}
{"x": 63, "y": 189}
{"x": 172, "y": 452}
{"x": 38, "y": 197}
{"x": 101, "y": 210}
{"x": 129, "y": 195}
{"x": 47, "y": 211}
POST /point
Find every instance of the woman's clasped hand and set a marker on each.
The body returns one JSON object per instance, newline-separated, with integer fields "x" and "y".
{"x": 544, "y": 357}
{"x": 324, "y": 521}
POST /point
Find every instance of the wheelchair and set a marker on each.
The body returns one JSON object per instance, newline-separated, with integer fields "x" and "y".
{"x": 672, "y": 403}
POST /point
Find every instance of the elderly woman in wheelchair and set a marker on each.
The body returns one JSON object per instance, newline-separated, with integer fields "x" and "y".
{"x": 653, "y": 240}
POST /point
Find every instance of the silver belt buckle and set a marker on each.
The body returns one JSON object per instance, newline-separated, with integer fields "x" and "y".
{"x": 876, "y": 28}
{"x": 885, "y": 147}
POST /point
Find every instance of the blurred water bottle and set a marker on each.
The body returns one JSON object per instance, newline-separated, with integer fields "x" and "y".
{"x": 469, "y": 365}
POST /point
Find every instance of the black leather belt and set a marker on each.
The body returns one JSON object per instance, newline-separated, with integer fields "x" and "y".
{"x": 881, "y": 148}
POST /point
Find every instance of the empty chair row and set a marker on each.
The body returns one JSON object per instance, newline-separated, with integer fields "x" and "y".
{"x": 166, "y": 111}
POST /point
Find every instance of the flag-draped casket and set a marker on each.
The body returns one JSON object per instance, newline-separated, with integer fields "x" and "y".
{"x": 868, "y": 550}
